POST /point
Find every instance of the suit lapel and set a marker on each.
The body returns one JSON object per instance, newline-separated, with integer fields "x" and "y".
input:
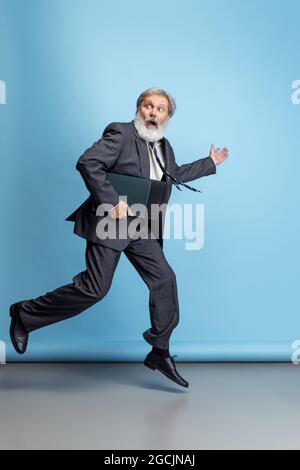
{"x": 167, "y": 154}
{"x": 143, "y": 156}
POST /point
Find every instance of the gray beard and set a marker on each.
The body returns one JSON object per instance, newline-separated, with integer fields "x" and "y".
{"x": 150, "y": 135}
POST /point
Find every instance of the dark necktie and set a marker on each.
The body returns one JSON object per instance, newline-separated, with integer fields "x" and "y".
{"x": 174, "y": 180}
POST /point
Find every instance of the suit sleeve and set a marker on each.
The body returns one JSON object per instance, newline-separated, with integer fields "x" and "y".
{"x": 97, "y": 160}
{"x": 191, "y": 171}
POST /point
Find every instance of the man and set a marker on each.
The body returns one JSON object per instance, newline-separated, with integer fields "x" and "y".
{"x": 136, "y": 148}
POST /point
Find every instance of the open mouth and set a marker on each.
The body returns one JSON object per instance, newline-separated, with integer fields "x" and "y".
{"x": 151, "y": 124}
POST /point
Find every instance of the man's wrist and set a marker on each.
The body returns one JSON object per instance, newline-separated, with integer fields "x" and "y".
{"x": 114, "y": 207}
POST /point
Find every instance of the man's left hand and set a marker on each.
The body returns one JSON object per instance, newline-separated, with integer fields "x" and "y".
{"x": 218, "y": 155}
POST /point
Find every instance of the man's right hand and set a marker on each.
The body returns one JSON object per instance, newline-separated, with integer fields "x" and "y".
{"x": 120, "y": 211}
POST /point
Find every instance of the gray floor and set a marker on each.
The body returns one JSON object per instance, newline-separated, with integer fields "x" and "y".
{"x": 127, "y": 406}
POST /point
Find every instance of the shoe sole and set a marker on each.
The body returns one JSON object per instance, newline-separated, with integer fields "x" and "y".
{"x": 153, "y": 367}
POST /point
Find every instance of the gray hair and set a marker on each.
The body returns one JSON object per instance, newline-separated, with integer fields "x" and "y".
{"x": 157, "y": 91}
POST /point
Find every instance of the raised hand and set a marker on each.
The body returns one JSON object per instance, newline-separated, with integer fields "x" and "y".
{"x": 218, "y": 155}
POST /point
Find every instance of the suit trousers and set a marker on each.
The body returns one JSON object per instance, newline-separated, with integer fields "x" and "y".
{"x": 92, "y": 284}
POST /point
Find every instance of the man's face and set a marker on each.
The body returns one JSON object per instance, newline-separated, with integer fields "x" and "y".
{"x": 154, "y": 109}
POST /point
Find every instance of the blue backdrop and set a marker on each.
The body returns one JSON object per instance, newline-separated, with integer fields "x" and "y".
{"x": 67, "y": 69}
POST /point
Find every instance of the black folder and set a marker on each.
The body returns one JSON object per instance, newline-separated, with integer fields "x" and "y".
{"x": 138, "y": 190}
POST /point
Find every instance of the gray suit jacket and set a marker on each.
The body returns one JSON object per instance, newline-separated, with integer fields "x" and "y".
{"x": 122, "y": 151}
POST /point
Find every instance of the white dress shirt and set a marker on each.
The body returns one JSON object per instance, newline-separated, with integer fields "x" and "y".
{"x": 155, "y": 171}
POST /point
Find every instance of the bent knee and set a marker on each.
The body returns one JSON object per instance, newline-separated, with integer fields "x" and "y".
{"x": 166, "y": 278}
{"x": 101, "y": 292}
{"x": 97, "y": 290}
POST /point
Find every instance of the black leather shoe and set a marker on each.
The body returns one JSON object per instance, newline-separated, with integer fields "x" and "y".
{"x": 17, "y": 331}
{"x": 166, "y": 365}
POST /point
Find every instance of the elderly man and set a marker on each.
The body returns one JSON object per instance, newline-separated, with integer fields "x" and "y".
{"x": 136, "y": 148}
